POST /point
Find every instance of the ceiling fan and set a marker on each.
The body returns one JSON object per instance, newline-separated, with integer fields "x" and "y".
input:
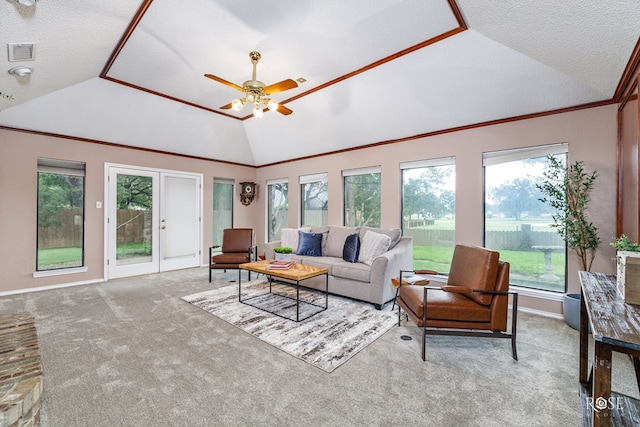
{"x": 255, "y": 92}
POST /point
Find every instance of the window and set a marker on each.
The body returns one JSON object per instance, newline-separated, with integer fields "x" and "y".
{"x": 277, "y": 208}
{"x": 428, "y": 211}
{"x": 314, "y": 199}
{"x": 517, "y": 223}
{"x": 60, "y": 214}
{"x": 362, "y": 197}
{"x": 222, "y": 208}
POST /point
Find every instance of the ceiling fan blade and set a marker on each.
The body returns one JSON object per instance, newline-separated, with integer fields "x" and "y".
{"x": 284, "y": 110}
{"x": 226, "y": 106}
{"x": 224, "y": 82}
{"x": 280, "y": 86}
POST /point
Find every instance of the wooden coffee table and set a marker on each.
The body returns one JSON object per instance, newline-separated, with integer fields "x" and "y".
{"x": 296, "y": 274}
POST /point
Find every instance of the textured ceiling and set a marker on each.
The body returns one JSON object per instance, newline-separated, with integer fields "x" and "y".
{"x": 375, "y": 70}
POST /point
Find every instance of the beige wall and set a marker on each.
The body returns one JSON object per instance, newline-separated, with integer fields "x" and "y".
{"x": 591, "y": 135}
{"x": 19, "y": 153}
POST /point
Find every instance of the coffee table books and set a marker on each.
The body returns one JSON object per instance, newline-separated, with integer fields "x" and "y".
{"x": 280, "y": 265}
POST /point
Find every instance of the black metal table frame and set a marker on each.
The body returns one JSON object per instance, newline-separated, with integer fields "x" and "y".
{"x": 296, "y": 299}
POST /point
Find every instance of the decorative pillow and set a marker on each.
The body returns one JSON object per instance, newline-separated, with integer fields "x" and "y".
{"x": 351, "y": 248}
{"x": 310, "y": 244}
{"x": 394, "y": 233}
{"x": 373, "y": 245}
{"x": 335, "y": 240}
{"x": 289, "y": 237}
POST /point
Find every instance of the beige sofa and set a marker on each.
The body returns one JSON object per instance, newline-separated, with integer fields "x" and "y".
{"x": 369, "y": 279}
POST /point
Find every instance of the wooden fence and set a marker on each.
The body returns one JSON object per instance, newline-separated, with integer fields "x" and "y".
{"x": 133, "y": 226}
{"x": 66, "y": 233}
{"x": 509, "y": 240}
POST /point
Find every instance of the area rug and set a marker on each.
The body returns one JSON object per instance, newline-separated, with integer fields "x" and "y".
{"x": 326, "y": 340}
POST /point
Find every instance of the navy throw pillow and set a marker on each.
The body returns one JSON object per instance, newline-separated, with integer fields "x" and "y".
{"x": 309, "y": 243}
{"x": 351, "y": 248}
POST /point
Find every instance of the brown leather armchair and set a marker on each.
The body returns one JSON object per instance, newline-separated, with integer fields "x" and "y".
{"x": 474, "y": 302}
{"x": 237, "y": 248}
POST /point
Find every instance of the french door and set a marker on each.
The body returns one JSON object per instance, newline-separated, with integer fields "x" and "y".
{"x": 154, "y": 221}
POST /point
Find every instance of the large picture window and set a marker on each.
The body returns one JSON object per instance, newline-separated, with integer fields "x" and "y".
{"x": 517, "y": 223}
{"x": 428, "y": 211}
{"x": 60, "y": 214}
{"x": 314, "y": 201}
{"x": 277, "y": 208}
{"x": 222, "y": 208}
{"x": 362, "y": 197}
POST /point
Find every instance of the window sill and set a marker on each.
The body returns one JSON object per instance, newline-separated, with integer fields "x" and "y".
{"x": 60, "y": 272}
{"x": 537, "y": 293}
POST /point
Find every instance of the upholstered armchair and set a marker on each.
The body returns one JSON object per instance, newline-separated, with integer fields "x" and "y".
{"x": 474, "y": 302}
{"x": 237, "y": 248}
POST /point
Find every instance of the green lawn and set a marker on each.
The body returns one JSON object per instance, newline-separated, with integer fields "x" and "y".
{"x": 526, "y": 266}
{"x": 52, "y": 258}
{"x": 49, "y": 259}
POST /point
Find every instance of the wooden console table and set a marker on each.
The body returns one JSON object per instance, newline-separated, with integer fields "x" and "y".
{"x": 615, "y": 326}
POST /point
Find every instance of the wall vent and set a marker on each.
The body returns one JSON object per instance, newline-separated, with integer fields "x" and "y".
{"x": 21, "y": 52}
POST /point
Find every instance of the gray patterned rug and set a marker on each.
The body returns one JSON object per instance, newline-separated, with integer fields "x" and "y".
{"x": 325, "y": 340}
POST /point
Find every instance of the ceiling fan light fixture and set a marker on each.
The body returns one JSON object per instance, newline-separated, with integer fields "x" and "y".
{"x": 27, "y": 2}
{"x": 256, "y": 92}
{"x": 257, "y": 111}
{"x": 272, "y": 105}
{"x": 237, "y": 104}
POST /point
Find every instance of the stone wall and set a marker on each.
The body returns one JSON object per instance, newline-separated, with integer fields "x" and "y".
{"x": 20, "y": 371}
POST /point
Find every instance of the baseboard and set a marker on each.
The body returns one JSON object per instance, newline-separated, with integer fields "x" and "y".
{"x": 540, "y": 312}
{"x": 50, "y": 287}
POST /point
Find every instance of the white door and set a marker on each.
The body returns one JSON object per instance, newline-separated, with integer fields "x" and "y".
{"x": 179, "y": 221}
{"x": 153, "y": 221}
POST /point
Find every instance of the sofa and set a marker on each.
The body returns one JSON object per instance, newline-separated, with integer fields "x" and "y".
{"x": 361, "y": 260}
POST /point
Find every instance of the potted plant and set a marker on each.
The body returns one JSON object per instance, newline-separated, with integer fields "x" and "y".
{"x": 283, "y": 253}
{"x": 627, "y": 269}
{"x": 566, "y": 189}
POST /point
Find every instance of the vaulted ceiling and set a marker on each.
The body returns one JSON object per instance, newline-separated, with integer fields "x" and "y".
{"x": 131, "y": 72}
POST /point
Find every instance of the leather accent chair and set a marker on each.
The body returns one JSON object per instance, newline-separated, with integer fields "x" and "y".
{"x": 474, "y": 302}
{"x": 397, "y": 283}
{"x": 237, "y": 248}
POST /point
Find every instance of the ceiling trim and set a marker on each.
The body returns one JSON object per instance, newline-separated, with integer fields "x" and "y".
{"x": 458, "y": 14}
{"x": 450, "y": 130}
{"x": 375, "y": 144}
{"x": 116, "y": 145}
{"x": 191, "y": 104}
{"x": 375, "y": 64}
{"x": 628, "y": 81}
{"x": 147, "y": 3}
{"x": 123, "y": 40}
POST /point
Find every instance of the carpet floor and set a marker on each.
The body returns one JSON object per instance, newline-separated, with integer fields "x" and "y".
{"x": 325, "y": 339}
{"x": 130, "y": 352}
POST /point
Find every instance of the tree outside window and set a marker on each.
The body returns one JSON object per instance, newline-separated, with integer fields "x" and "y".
{"x": 314, "y": 200}
{"x": 277, "y": 209}
{"x": 222, "y": 208}
{"x": 362, "y": 199}
{"x": 517, "y": 223}
{"x": 428, "y": 212}
{"x": 60, "y": 215}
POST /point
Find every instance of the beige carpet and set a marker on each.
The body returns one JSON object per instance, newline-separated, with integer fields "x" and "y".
{"x": 131, "y": 352}
{"x": 326, "y": 340}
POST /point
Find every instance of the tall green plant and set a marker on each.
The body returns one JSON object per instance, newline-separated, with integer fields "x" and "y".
{"x": 566, "y": 189}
